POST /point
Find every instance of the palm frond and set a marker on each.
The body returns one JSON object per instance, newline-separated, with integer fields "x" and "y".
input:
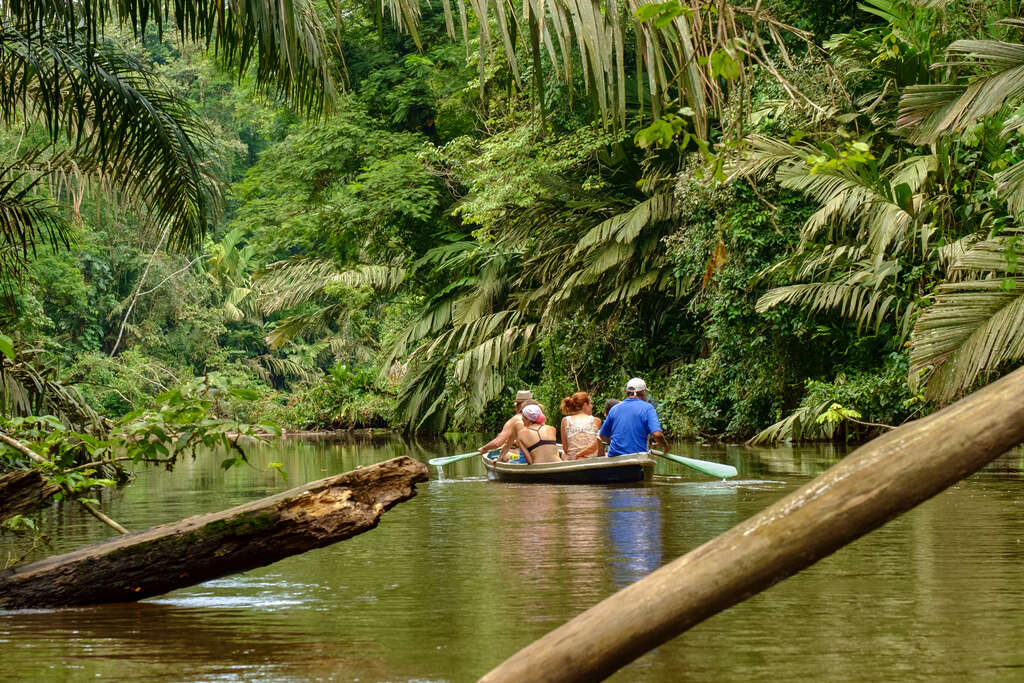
{"x": 287, "y": 284}
{"x": 672, "y": 50}
{"x": 623, "y": 228}
{"x": 268, "y": 368}
{"x": 849, "y": 202}
{"x": 997, "y": 255}
{"x": 405, "y": 15}
{"x": 1010, "y": 185}
{"x": 285, "y": 40}
{"x": 934, "y": 110}
{"x": 971, "y": 330}
{"x": 26, "y": 221}
{"x": 763, "y": 156}
{"x": 478, "y": 371}
{"x": 119, "y": 121}
{"x": 860, "y": 295}
{"x": 30, "y": 386}
{"x": 292, "y": 327}
{"x": 801, "y": 424}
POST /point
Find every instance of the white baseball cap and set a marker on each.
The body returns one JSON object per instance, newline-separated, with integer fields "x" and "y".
{"x": 636, "y": 385}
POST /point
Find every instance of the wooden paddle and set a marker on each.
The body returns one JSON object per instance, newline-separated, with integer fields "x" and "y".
{"x": 712, "y": 469}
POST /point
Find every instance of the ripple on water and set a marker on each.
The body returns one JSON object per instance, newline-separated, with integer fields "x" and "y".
{"x": 461, "y": 577}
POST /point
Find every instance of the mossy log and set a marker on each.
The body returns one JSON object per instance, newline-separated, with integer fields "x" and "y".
{"x": 874, "y": 484}
{"x": 23, "y": 491}
{"x": 204, "y": 547}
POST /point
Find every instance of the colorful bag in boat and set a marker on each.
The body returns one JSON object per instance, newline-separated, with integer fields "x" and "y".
{"x": 513, "y": 458}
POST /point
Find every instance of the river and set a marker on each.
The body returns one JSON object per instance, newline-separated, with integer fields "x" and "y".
{"x": 469, "y": 571}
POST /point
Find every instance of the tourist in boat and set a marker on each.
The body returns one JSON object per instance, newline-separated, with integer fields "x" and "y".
{"x": 579, "y": 428}
{"x": 609, "y": 404}
{"x": 629, "y": 424}
{"x": 537, "y": 441}
{"x": 512, "y": 425}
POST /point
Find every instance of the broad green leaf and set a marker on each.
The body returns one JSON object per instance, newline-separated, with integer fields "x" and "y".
{"x": 7, "y": 346}
{"x": 724, "y": 66}
{"x": 246, "y": 394}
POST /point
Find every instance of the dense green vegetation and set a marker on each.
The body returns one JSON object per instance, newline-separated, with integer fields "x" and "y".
{"x": 785, "y": 218}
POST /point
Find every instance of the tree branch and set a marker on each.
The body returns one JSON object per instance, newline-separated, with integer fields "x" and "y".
{"x": 35, "y": 457}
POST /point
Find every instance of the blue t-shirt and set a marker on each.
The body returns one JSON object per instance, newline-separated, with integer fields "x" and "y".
{"x": 628, "y": 425}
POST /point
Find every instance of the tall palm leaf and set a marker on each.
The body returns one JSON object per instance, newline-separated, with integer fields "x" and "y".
{"x": 973, "y": 327}
{"x": 25, "y": 221}
{"x": 674, "y": 47}
{"x": 29, "y": 385}
{"x": 284, "y": 39}
{"x": 289, "y": 284}
{"x": 845, "y": 262}
{"x": 991, "y": 78}
{"x": 108, "y": 118}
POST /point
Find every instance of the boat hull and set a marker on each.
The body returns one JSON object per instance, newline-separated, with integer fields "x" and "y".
{"x": 622, "y": 469}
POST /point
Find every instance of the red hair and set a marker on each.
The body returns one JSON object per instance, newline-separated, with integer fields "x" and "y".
{"x": 574, "y": 404}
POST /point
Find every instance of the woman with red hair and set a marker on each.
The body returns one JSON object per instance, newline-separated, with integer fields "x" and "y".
{"x": 580, "y": 427}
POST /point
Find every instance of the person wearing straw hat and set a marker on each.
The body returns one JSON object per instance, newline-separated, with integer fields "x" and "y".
{"x": 629, "y": 424}
{"x": 512, "y": 425}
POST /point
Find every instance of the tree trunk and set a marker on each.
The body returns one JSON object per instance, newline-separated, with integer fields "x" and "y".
{"x": 204, "y": 547}
{"x": 23, "y": 491}
{"x": 873, "y": 485}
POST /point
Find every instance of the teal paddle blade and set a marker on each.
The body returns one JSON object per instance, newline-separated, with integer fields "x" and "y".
{"x": 451, "y": 458}
{"x": 712, "y": 469}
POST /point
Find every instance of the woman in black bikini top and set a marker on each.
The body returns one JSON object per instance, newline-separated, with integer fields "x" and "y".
{"x": 537, "y": 440}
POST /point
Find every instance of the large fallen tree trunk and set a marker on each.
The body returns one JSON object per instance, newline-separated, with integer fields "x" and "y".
{"x": 204, "y": 547}
{"x": 874, "y": 484}
{"x": 23, "y": 491}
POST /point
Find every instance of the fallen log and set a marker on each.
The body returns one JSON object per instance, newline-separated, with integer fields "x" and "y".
{"x": 23, "y": 491}
{"x": 876, "y": 483}
{"x": 163, "y": 558}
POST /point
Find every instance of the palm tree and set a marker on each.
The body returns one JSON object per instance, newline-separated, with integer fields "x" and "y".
{"x": 900, "y": 237}
{"x": 974, "y": 327}
{"x": 107, "y": 118}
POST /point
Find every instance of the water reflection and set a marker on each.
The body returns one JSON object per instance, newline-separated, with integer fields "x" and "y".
{"x": 470, "y": 571}
{"x": 166, "y": 642}
{"x": 634, "y": 531}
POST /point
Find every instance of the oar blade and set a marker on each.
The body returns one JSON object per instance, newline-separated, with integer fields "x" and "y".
{"x": 436, "y": 462}
{"x": 712, "y": 469}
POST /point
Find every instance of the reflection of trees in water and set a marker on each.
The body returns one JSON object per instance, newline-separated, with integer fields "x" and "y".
{"x": 166, "y": 642}
{"x": 585, "y": 520}
{"x": 788, "y": 459}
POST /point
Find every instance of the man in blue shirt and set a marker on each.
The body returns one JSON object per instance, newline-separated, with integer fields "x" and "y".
{"x": 628, "y": 424}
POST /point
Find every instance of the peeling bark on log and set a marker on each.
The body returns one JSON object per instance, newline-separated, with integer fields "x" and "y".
{"x": 876, "y": 483}
{"x": 23, "y": 491}
{"x": 204, "y": 547}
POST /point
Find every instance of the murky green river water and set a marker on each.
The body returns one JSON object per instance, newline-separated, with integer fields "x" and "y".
{"x": 469, "y": 571}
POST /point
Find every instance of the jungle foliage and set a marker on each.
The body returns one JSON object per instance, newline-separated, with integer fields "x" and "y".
{"x": 782, "y": 215}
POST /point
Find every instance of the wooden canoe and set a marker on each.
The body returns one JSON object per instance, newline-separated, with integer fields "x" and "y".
{"x": 621, "y": 469}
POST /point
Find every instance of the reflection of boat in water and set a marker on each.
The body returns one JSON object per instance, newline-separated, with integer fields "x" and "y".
{"x": 618, "y": 470}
